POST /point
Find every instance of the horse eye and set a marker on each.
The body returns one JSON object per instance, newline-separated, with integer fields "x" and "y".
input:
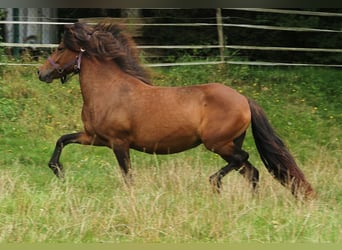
{"x": 60, "y": 48}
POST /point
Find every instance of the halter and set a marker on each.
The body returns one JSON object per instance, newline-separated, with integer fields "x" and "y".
{"x": 60, "y": 69}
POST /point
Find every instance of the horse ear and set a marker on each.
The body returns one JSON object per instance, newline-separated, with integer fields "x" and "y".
{"x": 68, "y": 27}
{"x": 74, "y": 28}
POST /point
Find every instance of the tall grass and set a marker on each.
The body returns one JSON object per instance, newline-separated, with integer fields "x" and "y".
{"x": 172, "y": 203}
{"x": 171, "y": 199}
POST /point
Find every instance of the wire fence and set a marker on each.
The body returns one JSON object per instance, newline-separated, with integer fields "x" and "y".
{"x": 34, "y": 43}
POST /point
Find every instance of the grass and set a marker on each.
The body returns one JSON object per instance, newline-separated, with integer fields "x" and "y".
{"x": 171, "y": 200}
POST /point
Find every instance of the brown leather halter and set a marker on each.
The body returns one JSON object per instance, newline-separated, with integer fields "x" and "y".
{"x": 60, "y": 69}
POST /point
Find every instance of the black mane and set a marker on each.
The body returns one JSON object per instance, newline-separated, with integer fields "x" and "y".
{"x": 107, "y": 41}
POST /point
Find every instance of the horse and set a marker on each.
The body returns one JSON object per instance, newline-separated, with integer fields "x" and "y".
{"x": 122, "y": 110}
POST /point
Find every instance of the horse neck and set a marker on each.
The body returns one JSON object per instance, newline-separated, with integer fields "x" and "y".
{"x": 98, "y": 77}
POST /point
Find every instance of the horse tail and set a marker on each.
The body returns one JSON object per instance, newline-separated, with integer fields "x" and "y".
{"x": 274, "y": 154}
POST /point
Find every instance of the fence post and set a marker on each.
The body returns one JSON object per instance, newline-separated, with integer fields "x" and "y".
{"x": 16, "y": 32}
{"x": 220, "y": 32}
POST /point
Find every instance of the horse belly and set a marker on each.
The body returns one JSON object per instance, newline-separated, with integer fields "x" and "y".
{"x": 166, "y": 143}
{"x": 162, "y": 148}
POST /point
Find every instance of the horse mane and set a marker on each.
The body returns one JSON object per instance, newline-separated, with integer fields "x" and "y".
{"x": 107, "y": 41}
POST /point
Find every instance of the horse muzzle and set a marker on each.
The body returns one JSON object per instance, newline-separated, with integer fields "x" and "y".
{"x": 45, "y": 77}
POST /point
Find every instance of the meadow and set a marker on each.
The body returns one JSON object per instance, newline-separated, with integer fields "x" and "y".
{"x": 171, "y": 200}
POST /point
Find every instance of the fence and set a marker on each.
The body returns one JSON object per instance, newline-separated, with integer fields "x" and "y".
{"x": 220, "y": 46}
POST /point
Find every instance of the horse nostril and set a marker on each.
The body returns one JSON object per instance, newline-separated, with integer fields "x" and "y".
{"x": 40, "y": 77}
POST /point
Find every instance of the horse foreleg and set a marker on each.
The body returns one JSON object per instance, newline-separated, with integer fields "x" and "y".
{"x": 122, "y": 155}
{"x": 80, "y": 138}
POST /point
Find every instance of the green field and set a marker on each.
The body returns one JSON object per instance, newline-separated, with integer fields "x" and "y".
{"x": 171, "y": 200}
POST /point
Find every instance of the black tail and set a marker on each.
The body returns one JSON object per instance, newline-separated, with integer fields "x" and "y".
{"x": 274, "y": 154}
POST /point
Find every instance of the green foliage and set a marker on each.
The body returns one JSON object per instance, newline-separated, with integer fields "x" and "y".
{"x": 171, "y": 200}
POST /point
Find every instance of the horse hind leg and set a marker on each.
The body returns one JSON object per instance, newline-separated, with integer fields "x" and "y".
{"x": 247, "y": 170}
{"x": 251, "y": 174}
{"x": 237, "y": 160}
{"x": 216, "y": 179}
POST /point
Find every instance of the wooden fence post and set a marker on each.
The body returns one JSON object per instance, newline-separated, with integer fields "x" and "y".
{"x": 220, "y": 32}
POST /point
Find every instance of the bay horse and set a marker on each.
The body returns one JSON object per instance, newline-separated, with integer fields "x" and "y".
{"x": 122, "y": 110}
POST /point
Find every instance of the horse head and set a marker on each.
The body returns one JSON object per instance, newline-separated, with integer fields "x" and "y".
{"x": 62, "y": 62}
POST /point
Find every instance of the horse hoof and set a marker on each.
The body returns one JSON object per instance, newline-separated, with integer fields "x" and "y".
{"x": 215, "y": 182}
{"x": 57, "y": 169}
